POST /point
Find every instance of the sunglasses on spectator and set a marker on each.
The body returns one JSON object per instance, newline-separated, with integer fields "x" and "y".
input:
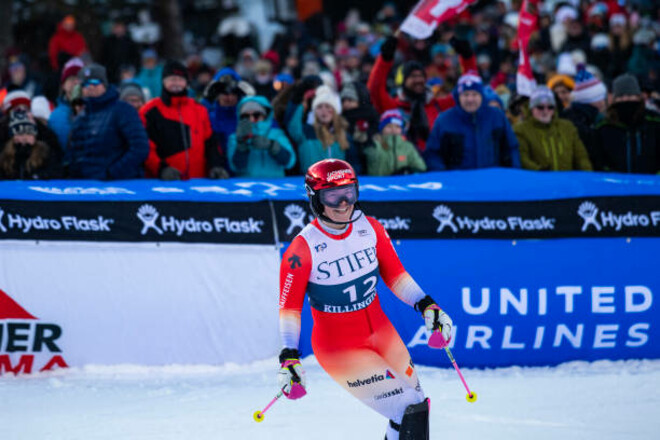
{"x": 255, "y": 116}
{"x": 92, "y": 82}
{"x": 333, "y": 197}
{"x": 545, "y": 107}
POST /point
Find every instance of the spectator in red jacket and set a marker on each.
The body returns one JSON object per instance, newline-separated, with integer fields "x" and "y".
{"x": 414, "y": 99}
{"x": 66, "y": 42}
{"x": 181, "y": 142}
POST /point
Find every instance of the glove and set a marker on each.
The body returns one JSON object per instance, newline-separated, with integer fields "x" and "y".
{"x": 435, "y": 319}
{"x": 218, "y": 173}
{"x": 291, "y": 376}
{"x": 275, "y": 148}
{"x": 461, "y": 47}
{"x": 243, "y": 130}
{"x": 261, "y": 142}
{"x": 388, "y": 48}
{"x": 170, "y": 173}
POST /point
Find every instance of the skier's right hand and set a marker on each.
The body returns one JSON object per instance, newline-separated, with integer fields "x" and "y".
{"x": 291, "y": 376}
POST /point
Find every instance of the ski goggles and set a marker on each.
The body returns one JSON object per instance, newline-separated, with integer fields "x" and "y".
{"x": 333, "y": 197}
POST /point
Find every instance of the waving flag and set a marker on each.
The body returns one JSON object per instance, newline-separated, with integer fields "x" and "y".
{"x": 527, "y": 24}
{"x": 426, "y": 16}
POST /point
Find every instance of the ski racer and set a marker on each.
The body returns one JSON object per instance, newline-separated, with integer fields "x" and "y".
{"x": 336, "y": 260}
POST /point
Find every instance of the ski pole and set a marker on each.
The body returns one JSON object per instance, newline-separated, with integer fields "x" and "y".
{"x": 259, "y": 415}
{"x": 471, "y": 395}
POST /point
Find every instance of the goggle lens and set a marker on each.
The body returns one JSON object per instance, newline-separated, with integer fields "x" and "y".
{"x": 333, "y": 197}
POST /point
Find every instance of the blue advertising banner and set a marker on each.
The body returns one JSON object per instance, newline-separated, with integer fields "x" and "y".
{"x": 531, "y": 302}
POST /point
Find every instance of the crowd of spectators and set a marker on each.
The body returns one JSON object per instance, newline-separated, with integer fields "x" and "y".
{"x": 383, "y": 101}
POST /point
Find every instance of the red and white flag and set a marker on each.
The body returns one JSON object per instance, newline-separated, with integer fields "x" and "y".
{"x": 426, "y": 16}
{"x": 527, "y": 24}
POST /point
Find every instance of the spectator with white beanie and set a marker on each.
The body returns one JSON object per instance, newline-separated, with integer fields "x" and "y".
{"x": 588, "y": 105}
{"x": 325, "y": 134}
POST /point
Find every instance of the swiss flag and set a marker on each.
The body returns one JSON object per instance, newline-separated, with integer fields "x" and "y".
{"x": 10, "y": 309}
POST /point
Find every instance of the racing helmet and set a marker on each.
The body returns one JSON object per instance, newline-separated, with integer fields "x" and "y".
{"x": 322, "y": 178}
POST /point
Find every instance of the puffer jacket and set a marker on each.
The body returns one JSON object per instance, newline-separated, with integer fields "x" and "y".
{"x": 462, "y": 140}
{"x": 108, "y": 140}
{"x": 554, "y": 147}
{"x": 180, "y": 136}
{"x": 261, "y": 163}
{"x": 400, "y": 158}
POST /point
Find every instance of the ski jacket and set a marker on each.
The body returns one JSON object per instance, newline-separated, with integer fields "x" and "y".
{"x": 628, "y": 148}
{"x": 180, "y": 136}
{"x": 400, "y": 158}
{"x": 108, "y": 140}
{"x": 462, "y": 140}
{"x": 554, "y": 147}
{"x": 339, "y": 274}
{"x": 61, "y": 121}
{"x": 261, "y": 163}
{"x": 71, "y": 43}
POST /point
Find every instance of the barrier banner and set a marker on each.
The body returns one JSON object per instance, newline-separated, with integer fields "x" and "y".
{"x": 249, "y": 223}
{"x": 73, "y": 304}
{"x": 594, "y": 217}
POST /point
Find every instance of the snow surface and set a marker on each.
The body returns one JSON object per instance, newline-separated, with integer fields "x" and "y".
{"x": 577, "y": 400}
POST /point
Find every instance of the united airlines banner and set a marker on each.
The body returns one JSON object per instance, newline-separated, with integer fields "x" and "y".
{"x": 531, "y": 302}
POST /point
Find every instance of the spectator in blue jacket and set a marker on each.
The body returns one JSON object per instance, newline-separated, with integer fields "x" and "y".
{"x": 108, "y": 140}
{"x": 472, "y": 134}
{"x": 258, "y": 149}
{"x": 61, "y": 119}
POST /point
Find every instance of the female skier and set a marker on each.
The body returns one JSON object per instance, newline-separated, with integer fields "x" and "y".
{"x": 336, "y": 260}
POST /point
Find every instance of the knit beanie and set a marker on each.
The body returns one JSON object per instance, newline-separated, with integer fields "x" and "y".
{"x": 391, "y": 117}
{"x": 541, "y": 95}
{"x": 253, "y": 107}
{"x": 71, "y": 68}
{"x": 20, "y": 123}
{"x": 40, "y": 107}
{"x": 175, "y": 68}
{"x": 561, "y": 79}
{"x": 92, "y": 72}
{"x": 14, "y": 99}
{"x": 588, "y": 88}
{"x": 470, "y": 81}
{"x": 625, "y": 84}
{"x": 131, "y": 89}
{"x": 324, "y": 94}
{"x": 410, "y": 67}
{"x": 349, "y": 92}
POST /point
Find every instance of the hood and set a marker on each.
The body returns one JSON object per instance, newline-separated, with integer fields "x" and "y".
{"x": 260, "y": 128}
{"x": 227, "y": 71}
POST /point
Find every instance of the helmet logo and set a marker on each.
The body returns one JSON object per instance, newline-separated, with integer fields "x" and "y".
{"x": 338, "y": 174}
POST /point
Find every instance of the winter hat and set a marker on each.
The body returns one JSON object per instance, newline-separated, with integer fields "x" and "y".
{"x": 40, "y": 107}
{"x": 600, "y": 41}
{"x": 175, "y": 68}
{"x": 618, "y": 19}
{"x": 541, "y": 95}
{"x": 14, "y": 99}
{"x": 284, "y": 78}
{"x": 149, "y": 54}
{"x": 71, "y": 68}
{"x": 560, "y": 79}
{"x": 565, "y": 13}
{"x": 470, "y": 81}
{"x": 410, "y": 67}
{"x": 391, "y": 117}
{"x": 588, "y": 88}
{"x": 92, "y": 72}
{"x": 349, "y": 92}
{"x": 566, "y": 64}
{"x": 623, "y": 85}
{"x": 324, "y": 94}
{"x": 131, "y": 89}
{"x": 20, "y": 123}
{"x": 253, "y": 107}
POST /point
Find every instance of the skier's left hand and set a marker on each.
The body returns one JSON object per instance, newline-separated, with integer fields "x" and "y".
{"x": 434, "y": 317}
{"x": 291, "y": 376}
